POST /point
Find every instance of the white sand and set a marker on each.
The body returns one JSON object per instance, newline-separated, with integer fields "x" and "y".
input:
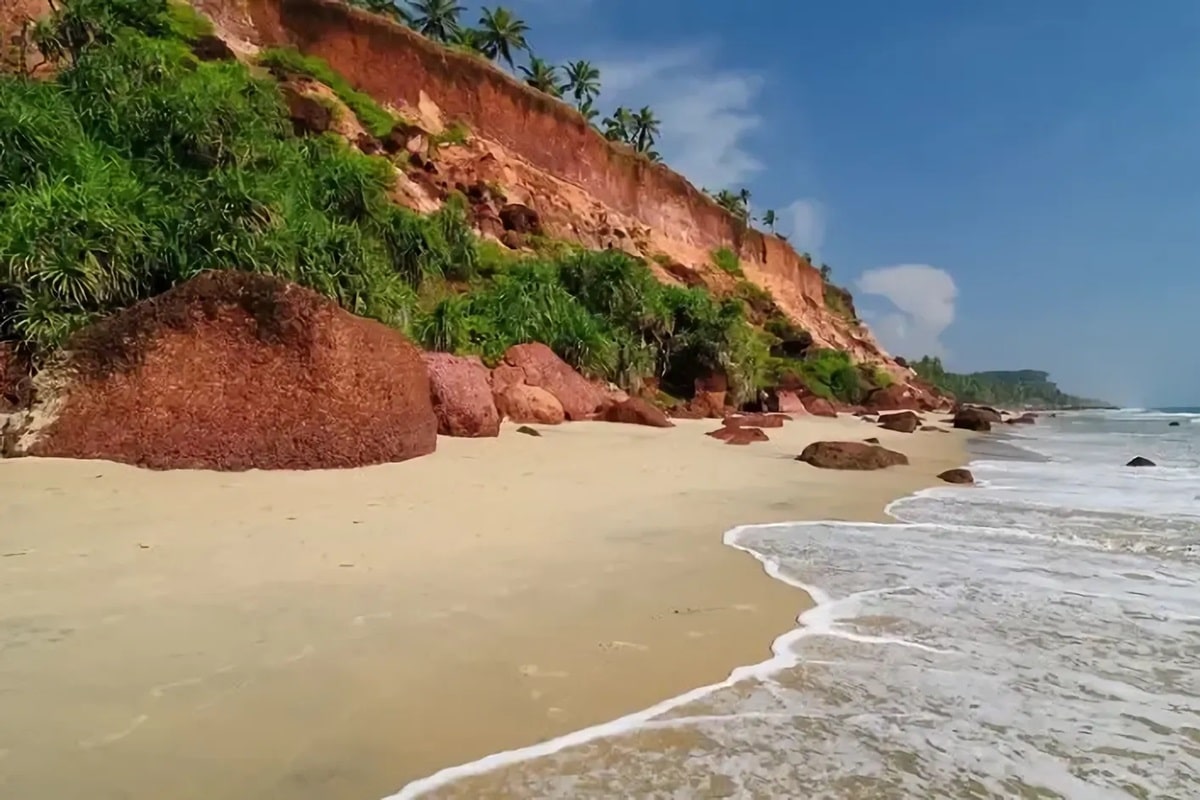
{"x": 337, "y": 634}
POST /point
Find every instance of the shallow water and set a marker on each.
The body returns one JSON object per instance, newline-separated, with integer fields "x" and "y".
{"x": 1038, "y": 636}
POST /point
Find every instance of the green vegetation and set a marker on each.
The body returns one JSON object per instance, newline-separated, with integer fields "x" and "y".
{"x": 1019, "y": 388}
{"x": 138, "y": 166}
{"x": 726, "y": 260}
{"x": 289, "y": 60}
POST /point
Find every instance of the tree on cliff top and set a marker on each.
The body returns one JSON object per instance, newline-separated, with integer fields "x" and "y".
{"x": 542, "y": 76}
{"x": 502, "y": 33}
{"x": 437, "y": 19}
{"x": 583, "y": 81}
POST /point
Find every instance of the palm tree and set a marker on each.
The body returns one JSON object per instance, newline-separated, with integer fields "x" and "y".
{"x": 469, "y": 39}
{"x": 542, "y": 76}
{"x": 583, "y": 81}
{"x": 645, "y": 129}
{"x": 619, "y": 127}
{"x": 502, "y": 33}
{"x": 744, "y": 202}
{"x": 437, "y": 19}
{"x": 728, "y": 201}
{"x": 768, "y": 219}
{"x": 826, "y": 270}
{"x": 588, "y": 110}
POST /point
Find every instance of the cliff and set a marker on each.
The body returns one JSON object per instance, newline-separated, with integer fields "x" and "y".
{"x": 546, "y": 155}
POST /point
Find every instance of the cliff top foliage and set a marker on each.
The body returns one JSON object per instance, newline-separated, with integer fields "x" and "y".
{"x": 1018, "y": 388}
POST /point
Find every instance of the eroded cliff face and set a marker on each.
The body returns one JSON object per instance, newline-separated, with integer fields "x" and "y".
{"x": 544, "y": 154}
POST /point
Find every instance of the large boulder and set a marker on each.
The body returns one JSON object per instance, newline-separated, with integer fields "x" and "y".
{"x": 818, "y": 406}
{"x": 236, "y": 371}
{"x": 540, "y": 367}
{"x": 985, "y": 412}
{"x": 462, "y": 396}
{"x": 1028, "y": 418}
{"x": 790, "y": 403}
{"x": 521, "y": 402}
{"x": 973, "y": 419}
{"x": 636, "y": 411}
{"x": 903, "y": 421}
{"x": 850, "y": 455}
{"x": 709, "y": 394}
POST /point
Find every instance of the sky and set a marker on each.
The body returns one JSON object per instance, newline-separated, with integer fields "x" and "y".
{"x": 1009, "y": 185}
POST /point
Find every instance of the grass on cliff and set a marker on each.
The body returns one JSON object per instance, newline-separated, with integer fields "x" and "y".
{"x": 289, "y": 60}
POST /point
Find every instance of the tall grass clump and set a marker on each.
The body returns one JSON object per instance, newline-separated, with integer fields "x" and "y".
{"x": 138, "y": 166}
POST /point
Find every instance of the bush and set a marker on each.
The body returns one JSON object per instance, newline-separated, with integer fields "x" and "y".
{"x": 726, "y": 260}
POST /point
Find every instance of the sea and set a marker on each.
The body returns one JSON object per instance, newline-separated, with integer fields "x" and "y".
{"x": 1035, "y": 636}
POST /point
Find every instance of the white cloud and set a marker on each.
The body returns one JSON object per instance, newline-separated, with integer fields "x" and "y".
{"x": 804, "y": 224}
{"x": 705, "y": 111}
{"x": 923, "y": 300}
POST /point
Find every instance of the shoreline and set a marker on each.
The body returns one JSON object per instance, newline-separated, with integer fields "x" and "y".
{"x": 341, "y": 634}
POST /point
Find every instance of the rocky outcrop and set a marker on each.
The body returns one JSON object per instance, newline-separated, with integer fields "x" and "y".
{"x": 1139, "y": 461}
{"x": 540, "y": 367}
{"x": 973, "y": 419}
{"x": 236, "y": 371}
{"x": 850, "y": 455}
{"x": 819, "y": 406}
{"x": 462, "y": 396}
{"x": 957, "y": 476}
{"x": 892, "y": 398}
{"x": 636, "y": 411}
{"x": 903, "y": 421}
{"x": 521, "y": 402}
{"x": 15, "y": 385}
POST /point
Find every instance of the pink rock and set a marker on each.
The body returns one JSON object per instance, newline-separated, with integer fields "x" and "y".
{"x": 544, "y": 369}
{"x": 462, "y": 398}
{"x": 521, "y": 402}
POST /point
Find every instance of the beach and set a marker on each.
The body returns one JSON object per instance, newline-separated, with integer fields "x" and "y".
{"x": 337, "y": 634}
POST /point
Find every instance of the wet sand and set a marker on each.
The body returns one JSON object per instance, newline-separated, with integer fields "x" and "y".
{"x": 338, "y": 634}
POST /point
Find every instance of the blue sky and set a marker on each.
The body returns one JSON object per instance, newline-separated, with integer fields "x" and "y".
{"x": 1009, "y": 184}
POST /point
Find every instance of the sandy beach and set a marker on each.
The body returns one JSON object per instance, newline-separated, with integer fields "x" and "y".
{"x": 337, "y": 634}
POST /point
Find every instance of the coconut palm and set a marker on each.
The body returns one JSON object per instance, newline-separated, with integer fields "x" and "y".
{"x": 437, "y": 19}
{"x": 469, "y": 39}
{"x": 588, "y": 110}
{"x": 744, "y": 201}
{"x": 542, "y": 76}
{"x": 769, "y": 219}
{"x": 502, "y": 33}
{"x": 619, "y": 127}
{"x": 583, "y": 81}
{"x": 645, "y": 129}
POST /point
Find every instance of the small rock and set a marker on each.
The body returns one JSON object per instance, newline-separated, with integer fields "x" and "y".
{"x": 871, "y": 440}
{"x": 1141, "y": 462}
{"x": 1173, "y": 425}
{"x": 635, "y": 411}
{"x": 957, "y": 476}
{"x": 755, "y": 420}
{"x": 739, "y": 435}
{"x": 512, "y": 240}
{"x": 528, "y": 431}
{"x": 903, "y": 422}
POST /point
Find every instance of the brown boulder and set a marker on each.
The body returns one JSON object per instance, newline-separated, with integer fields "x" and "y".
{"x": 308, "y": 114}
{"x": 904, "y": 422}
{"x": 461, "y": 395}
{"x": 1025, "y": 419}
{"x": 990, "y": 414}
{"x": 212, "y": 48}
{"x": 237, "y": 371}
{"x": 957, "y": 476}
{"x": 636, "y": 411}
{"x": 819, "y": 406}
{"x": 850, "y": 455}
{"x": 520, "y": 218}
{"x": 542, "y": 368}
{"x": 973, "y": 419}
{"x": 739, "y": 435}
{"x": 521, "y": 402}
{"x": 790, "y": 403}
{"x": 891, "y": 398}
